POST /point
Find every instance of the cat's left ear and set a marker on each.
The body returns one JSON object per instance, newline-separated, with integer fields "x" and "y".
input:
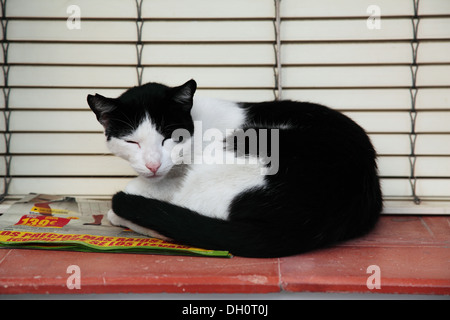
{"x": 102, "y": 107}
{"x": 184, "y": 94}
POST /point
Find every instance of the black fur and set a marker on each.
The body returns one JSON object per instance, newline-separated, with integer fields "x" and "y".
{"x": 166, "y": 107}
{"x": 325, "y": 191}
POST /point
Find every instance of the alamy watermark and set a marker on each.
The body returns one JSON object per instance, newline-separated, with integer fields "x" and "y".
{"x": 74, "y": 280}
{"x": 232, "y": 146}
{"x": 374, "y": 280}
{"x": 374, "y": 20}
{"x": 73, "y": 22}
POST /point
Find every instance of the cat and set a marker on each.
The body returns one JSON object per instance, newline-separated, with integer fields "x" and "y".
{"x": 310, "y": 182}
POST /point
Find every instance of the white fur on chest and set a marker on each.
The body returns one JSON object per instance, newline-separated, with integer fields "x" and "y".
{"x": 209, "y": 189}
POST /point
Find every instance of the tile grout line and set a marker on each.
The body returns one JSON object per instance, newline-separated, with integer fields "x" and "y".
{"x": 6, "y": 255}
{"x": 280, "y": 285}
{"x": 425, "y": 225}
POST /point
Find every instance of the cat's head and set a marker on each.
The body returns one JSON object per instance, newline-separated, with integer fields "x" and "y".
{"x": 139, "y": 124}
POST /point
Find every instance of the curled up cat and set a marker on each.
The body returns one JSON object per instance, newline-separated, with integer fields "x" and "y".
{"x": 266, "y": 179}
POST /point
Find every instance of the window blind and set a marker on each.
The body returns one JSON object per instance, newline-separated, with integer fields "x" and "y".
{"x": 384, "y": 63}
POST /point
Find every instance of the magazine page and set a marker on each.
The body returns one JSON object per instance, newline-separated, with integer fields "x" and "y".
{"x": 65, "y": 223}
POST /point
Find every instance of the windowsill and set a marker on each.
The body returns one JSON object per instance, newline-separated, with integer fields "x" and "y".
{"x": 412, "y": 253}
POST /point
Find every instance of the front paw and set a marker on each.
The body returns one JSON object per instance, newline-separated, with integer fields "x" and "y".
{"x": 114, "y": 219}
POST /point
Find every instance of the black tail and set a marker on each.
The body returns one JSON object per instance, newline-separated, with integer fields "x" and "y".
{"x": 190, "y": 228}
{"x": 242, "y": 237}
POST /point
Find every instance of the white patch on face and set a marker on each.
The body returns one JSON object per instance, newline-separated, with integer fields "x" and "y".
{"x": 144, "y": 150}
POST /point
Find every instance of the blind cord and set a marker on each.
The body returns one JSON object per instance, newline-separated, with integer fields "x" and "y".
{"x": 414, "y": 67}
{"x": 6, "y": 90}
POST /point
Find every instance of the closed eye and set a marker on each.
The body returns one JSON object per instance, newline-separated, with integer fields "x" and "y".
{"x": 133, "y": 142}
{"x": 177, "y": 140}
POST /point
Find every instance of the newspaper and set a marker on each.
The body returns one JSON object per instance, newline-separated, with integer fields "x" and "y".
{"x": 40, "y": 221}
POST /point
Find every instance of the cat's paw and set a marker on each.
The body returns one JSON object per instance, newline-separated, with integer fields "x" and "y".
{"x": 115, "y": 220}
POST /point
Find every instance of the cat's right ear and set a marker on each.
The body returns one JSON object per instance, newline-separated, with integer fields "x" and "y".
{"x": 102, "y": 107}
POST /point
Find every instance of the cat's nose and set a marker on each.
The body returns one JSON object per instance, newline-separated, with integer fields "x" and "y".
{"x": 153, "y": 166}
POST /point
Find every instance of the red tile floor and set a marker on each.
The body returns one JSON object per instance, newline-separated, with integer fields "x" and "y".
{"x": 412, "y": 254}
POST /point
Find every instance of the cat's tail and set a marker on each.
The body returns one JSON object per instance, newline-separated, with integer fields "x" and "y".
{"x": 241, "y": 238}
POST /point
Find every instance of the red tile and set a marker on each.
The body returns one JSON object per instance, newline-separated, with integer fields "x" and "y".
{"x": 407, "y": 231}
{"x": 344, "y": 269}
{"x": 438, "y": 227}
{"x": 34, "y": 271}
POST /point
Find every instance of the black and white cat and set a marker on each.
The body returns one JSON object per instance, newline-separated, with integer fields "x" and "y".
{"x": 263, "y": 179}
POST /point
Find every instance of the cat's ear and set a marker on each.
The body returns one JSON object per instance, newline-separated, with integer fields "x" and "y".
{"x": 184, "y": 94}
{"x": 102, "y": 107}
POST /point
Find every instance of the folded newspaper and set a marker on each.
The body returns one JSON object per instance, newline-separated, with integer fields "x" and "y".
{"x": 40, "y": 221}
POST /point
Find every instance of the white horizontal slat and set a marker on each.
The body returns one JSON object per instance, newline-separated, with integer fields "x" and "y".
{"x": 96, "y": 31}
{"x": 53, "y": 143}
{"x": 433, "y": 99}
{"x": 424, "y": 167}
{"x": 424, "y": 187}
{"x": 334, "y": 30}
{"x": 219, "y": 9}
{"x": 120, "y": 54}
{"x": 393, "y": 166}
{"x": 433, "y": 122}
{"x": 433, "y": 166}
{"x": 57, "y": 8}
{"x": 395, "y": 187}
{"x": 72, "y": 53}
{"x": 127, "y": 76}
{"x": 68, "y": 186}
{"x": 432, "y": 188}
{"x": 346, "y": 53}
{"x": 434, "y": 7}
{"x": 434, "y": 75}
{"x": 433, "y": 144}
{"x": 208, "y": 9}
{"x": 401, "y": 121}
{"x": 150, "y": 9}
{"x": 219, "y": 31}
{"x": 364, "y": 53}
{"x": 429, "y": 52}
{"x": 77, "y": 121}
{"x": 208, "y": 54}
{"x": 372, "y": 76}
{"x": 396, "y": 76}
{"x": 399, "y": 144}
{"x": 69, "y": 166}
{"x": 232, "y": 77}
{"x": 344, "y": 8}
{"x": 215, "y": 31}
{"x": 72, "y": 76}
{"x": 168, "y": 54}
{"x": 434, "y": 28}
